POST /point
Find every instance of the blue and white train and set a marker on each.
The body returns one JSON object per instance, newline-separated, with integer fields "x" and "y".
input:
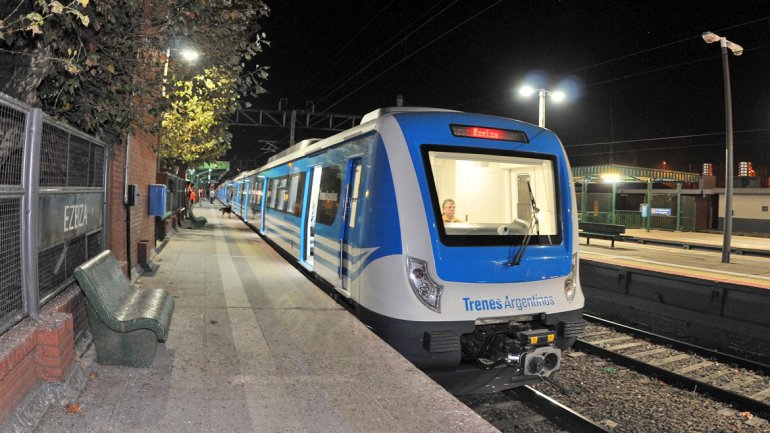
{"x": 487, "y": 302}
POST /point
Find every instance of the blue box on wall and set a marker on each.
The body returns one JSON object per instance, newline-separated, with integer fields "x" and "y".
{"x": 157, "y": 199}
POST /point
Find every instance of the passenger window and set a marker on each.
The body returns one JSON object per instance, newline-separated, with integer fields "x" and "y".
{"x": 283, "y": 193}
{"x": 272, "y": 193}
{"x": 329, "y": 196}
{"x": 296, "y": 193}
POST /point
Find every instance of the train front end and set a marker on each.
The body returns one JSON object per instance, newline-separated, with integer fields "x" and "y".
{"x": 488, "y": 296}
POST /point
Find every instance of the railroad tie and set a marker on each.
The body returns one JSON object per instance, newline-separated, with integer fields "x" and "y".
{"x": 626, "y": 345}
{"x": 669, "y": 360}
{"x": 716, "y": 375}
{"x": 694, "y": 367}
{"x": 761, "y": 395}
{"x": 647, "y": 353}
{"x": 610, "y": 340}
{"x": 739, "y": 383}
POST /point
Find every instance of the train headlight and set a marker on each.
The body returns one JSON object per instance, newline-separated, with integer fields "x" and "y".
{"x": 427, "y": 290}
{"x": 570, "y": 283}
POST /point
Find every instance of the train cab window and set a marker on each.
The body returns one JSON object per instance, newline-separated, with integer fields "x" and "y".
{"x": 498, "y": 197}
{"x": 329, "y": 195}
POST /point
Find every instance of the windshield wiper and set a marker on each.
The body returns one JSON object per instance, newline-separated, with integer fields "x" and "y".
{"x": 534, "y": 225}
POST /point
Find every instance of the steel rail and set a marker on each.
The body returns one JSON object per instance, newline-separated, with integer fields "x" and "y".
{"x": 738, "y": 401}
{"x": 722, "y": 357}
{"x": 557, "y": 412}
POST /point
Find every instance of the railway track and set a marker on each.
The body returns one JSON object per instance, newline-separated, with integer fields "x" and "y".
{"x": 741, "y": 383}
{"x": 526, "y": 409}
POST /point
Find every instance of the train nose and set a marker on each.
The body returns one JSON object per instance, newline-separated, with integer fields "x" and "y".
{"x": 542, "y": 361}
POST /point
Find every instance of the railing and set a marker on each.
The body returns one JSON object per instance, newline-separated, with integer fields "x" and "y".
{"x": 634, "y": 220}
{"x": 52, "y": 207}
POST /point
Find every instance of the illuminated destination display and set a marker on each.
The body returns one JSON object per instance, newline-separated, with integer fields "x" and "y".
{"x": 488, "y": 133}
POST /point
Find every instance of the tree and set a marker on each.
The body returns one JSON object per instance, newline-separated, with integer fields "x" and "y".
{"x": 100, "y": 67}
{"x": 195, "y": 125}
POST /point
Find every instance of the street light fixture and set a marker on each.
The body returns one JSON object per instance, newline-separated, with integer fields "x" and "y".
{"x": 188, "y": 54}
{"x": 556, "y": 96}
{"x": 737, "y": 50}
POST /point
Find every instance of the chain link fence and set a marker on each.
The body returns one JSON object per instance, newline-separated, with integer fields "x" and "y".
{"x": 52, "y": 207}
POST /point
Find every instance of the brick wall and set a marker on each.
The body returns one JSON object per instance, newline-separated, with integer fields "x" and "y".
{"x": 42, "y": 350}
{"x": 142, "y": 166}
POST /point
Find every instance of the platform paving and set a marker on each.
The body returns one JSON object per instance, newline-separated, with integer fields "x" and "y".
{"x": 255, "y": 347}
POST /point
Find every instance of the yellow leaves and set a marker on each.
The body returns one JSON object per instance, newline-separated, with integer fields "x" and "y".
{"x": 71, "y": 68}
{"x": 73, "y": 407}
{"x": 83, "y": 3}
{"x": 56, "y": 7}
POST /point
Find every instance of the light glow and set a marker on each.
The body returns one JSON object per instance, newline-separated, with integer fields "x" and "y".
{"x": 558, "y": 96}
{"x": 527, "y": 91}
{"x": 189, "y": 54}
{"x": 610, "y": 177}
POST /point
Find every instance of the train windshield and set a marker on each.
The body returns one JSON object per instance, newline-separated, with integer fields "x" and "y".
{"x": 493, "y": 198}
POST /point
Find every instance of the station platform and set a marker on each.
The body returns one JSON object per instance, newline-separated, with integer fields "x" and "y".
{"x": 687, "y": 254}
{"x": 256, "y": 347}
{"x": 740, "y": 244}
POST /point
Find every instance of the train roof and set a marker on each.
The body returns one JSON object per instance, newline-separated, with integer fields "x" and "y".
{"x": 372, "y": 115}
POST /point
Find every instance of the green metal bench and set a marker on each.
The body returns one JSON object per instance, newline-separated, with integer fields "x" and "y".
{"x": 196, "y": 221}
{"x": 126, "y": 323}
{"x": 590, "y": 230}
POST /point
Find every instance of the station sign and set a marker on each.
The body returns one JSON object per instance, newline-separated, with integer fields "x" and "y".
{"x": 62, "y": 217}
{"x": 661, "y": 211}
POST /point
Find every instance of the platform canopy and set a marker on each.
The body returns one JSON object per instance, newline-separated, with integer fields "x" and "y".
{"x": 625, "y": 173}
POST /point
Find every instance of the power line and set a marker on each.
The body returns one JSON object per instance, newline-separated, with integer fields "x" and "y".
{"x": 666, "y": 148}
{"x": 416, "y": 51}
{"x": 625, "y": 56}
{"x": 360, "y": 70}
{"x": 675, "y": 137}
{"x": 350, "y": 41}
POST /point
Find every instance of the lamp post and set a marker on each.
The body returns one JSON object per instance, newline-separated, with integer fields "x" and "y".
{"x": 557, "y": 96}
{"x": 188, "y": 54}
{"x": 737, "y": 50}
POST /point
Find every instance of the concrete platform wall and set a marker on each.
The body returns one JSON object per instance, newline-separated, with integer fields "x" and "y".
{"x": 722, "y": 316}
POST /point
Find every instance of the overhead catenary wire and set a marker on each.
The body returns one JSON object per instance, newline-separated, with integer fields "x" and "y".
{"x": 346, "y": 45}
{"x": 407, "y": 57}
{"x": 650, "y": 149}
{"x": 629, "y": 55}
{"x": 381, "y": 55}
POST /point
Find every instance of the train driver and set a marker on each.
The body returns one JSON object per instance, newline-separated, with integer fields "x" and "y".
{"x": 448, "y": 211}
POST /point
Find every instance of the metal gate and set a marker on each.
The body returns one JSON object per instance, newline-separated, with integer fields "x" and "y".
{"x": 52, "y": 207}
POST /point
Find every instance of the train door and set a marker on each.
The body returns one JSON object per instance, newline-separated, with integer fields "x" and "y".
{"x": 308, "y": 251}
{"x": 245, "y": 205}
{"x": 348, "y": 230}
{"x": 263, "y": 204}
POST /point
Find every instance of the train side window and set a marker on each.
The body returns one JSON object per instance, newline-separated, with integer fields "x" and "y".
{"x": 283, "y": 193}
{"x": 272, "y": 193}
{"x": 296, "y": 193}
{"x": 329, "y": 196}
{"x": 258, "y": 193}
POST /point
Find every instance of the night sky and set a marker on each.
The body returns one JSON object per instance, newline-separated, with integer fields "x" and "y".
{"x": 643, "y": 87}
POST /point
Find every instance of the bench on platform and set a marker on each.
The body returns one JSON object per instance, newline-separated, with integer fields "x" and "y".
{"x": 601, "y": 230}
{"x": 197, "y": 222}
{"x": 126, "y": 323}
